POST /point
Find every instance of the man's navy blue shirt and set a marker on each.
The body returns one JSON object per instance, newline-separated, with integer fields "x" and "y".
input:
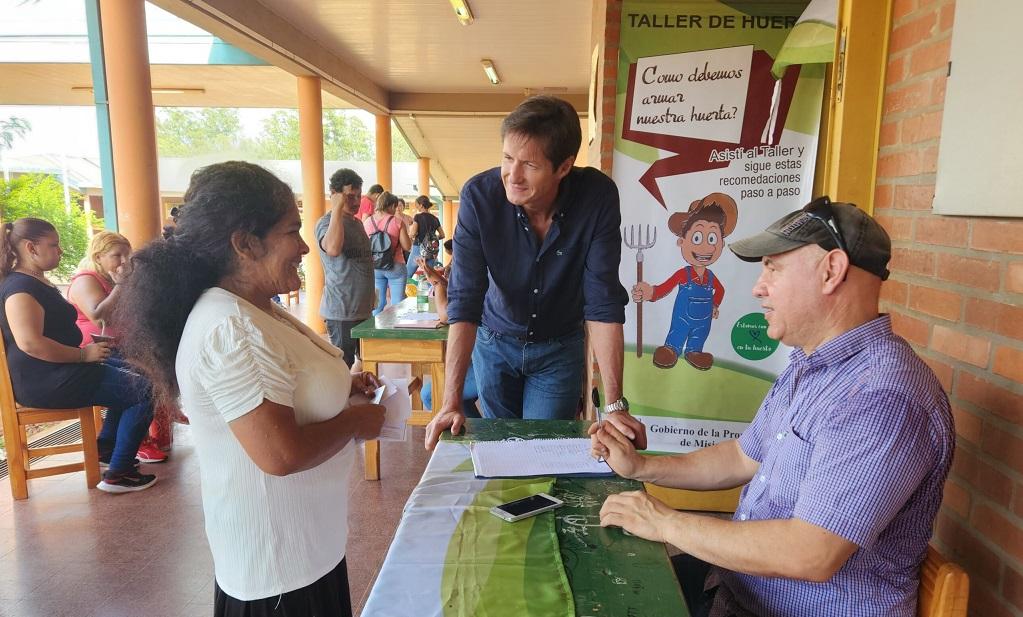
{"x": 505, "y": 278}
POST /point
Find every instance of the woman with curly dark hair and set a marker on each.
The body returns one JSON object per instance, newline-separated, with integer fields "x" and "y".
{"x": 267, "y": 397}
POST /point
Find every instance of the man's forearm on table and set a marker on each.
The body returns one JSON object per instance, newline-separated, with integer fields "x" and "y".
{"x": 789, "y": 548}
{"x": 717, "y": 467}
{"x": 608, "y": 343}
{"x": 461, "y": 338}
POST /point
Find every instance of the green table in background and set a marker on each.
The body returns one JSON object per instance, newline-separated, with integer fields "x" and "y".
{"x": 424, "y": 349}
{"x": 608, "y": 572}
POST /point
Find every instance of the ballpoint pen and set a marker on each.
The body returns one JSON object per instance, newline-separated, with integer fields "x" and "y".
{"x": 595, "y": 399}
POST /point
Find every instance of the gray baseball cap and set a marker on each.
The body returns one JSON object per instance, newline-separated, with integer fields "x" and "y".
{"x": 829, "y": 225}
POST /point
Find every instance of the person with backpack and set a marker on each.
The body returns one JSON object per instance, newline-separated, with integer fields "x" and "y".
{"x": 387, "y": 239}
{"x": 426, "y": 234}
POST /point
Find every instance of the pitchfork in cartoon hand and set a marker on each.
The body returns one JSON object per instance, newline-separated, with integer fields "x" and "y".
{"x": 638, "y": 238}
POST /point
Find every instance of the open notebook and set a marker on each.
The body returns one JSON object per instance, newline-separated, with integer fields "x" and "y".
{"x": 535, "y": 457}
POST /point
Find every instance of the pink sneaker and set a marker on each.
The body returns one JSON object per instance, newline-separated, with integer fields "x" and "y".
{"x": 149, "y": 453}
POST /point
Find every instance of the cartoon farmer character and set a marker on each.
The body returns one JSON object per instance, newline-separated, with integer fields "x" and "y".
{"x": 701, "y": 232}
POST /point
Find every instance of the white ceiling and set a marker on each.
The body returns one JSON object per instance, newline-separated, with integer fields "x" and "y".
{"x": 408, "y": 58}
{"x": 419, "y": 46}
{"x": 414, "y": 60}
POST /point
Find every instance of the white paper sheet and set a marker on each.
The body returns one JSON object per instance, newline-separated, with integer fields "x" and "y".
{"x": 419, "y": 316}
{"x": 535, "y": 457}
{"x": 394, "y": 396}
{"x": 395, "y": 399}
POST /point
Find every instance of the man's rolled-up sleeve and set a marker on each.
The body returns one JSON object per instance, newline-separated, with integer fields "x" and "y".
{"x": 604, "y": 297}
{"x": 468, "y": 282}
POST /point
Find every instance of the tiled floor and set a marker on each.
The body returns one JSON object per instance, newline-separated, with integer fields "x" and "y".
{"x": 84, "y": 553}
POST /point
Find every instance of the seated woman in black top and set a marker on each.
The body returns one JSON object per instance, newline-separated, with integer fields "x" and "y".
{"x": 47, "y": 367}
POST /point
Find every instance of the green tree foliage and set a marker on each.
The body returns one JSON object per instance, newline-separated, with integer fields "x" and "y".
{"x": 345, "y": 137}
{"x": 188, "y": 132}
{"x": 401, "y": 152}
{"x": 42, "y": 196}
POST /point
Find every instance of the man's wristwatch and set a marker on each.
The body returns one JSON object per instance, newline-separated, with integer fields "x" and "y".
{"x": 621, "y": 404}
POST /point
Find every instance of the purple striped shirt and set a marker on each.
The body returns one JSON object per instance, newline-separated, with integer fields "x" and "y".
{"x": 856, "y": 438}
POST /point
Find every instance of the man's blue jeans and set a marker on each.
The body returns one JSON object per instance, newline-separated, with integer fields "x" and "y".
{"x": 531, "y": 380}
{"x": 128, "y": 399}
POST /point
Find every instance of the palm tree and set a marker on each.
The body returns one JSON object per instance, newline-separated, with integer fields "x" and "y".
{"x": 11, "y": 129}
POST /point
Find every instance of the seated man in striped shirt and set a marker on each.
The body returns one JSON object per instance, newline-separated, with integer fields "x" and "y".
{"x": 844, "y": 463}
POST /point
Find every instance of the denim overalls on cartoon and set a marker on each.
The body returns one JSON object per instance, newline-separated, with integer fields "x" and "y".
{"x": 690, "y": 320}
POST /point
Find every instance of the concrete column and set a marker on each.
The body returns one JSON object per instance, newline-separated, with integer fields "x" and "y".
{"x": 448, "y": 217}
{"x": 424, "y": 176}
{"x": 310, "y": 129}
{"x": 384, "y": 177}
{"x": 132, "y": 124}
{"x": 448, "y": 220}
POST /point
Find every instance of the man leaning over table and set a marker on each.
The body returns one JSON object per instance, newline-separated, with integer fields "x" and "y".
{"x": 538, "y": 248}
{"x": 844, "y": 462}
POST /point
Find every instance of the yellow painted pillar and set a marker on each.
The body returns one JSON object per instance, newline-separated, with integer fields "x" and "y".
{"x": 448, "y": 217}
{"x": 132, "y": 123}
{"x": 384, "y": 177}
{"x": 310, "y": 130}
{"x": 424, "y": 176}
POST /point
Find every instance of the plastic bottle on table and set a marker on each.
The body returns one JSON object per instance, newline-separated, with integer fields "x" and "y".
{"x": 422, "y": 292}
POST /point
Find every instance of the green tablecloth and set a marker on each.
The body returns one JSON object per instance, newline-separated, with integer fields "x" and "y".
{"x": 449, "y": 558}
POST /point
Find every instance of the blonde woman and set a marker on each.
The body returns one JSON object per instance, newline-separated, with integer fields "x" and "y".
{"x": 94, "y": 294}
{"x": 93, "y": 288}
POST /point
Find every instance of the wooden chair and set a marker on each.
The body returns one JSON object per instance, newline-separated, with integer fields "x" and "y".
{"x": 944, "y": 587}
{"x": 19, "y": 455}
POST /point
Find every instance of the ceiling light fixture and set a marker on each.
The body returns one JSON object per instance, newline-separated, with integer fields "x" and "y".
{"x": 462, "y": 11}
{"x": 488, "y": 68}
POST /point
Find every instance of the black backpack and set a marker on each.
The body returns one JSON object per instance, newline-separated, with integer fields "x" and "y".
{"x": 380, "y": 245}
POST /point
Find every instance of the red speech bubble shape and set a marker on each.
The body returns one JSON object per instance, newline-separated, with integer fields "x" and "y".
{"x": 692, "y": 154}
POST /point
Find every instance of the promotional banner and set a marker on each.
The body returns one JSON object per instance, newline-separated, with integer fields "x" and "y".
{"x": 716, "y": 137}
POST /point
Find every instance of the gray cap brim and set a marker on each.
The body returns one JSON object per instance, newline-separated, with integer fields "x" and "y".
{"x": 756, "y": 247}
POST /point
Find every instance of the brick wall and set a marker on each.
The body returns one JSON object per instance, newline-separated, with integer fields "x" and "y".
{"x": 956, "y": 293}
{"x": 605, "y": 31}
